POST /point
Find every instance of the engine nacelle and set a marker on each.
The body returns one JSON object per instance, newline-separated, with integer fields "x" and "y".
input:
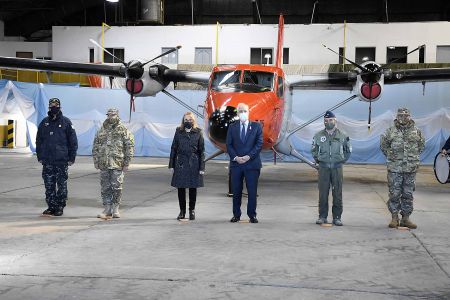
{"x": 369, "y": 84}
{"x": 149, "y": 84}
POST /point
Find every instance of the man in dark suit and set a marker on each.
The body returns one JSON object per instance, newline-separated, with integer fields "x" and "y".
{"x": 244, "y": 142}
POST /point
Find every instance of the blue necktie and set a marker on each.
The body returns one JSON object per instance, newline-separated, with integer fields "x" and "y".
{"x": 243, "y": 132}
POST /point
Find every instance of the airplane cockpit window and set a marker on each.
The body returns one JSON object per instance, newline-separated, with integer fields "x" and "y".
{"x": 224, "y": 78}
{"x": 262, "y": 79}
{"x": 280, "y": 91}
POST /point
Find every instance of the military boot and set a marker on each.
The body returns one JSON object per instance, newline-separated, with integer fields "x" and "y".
{"x": 107, "y": 212}
{"x": 116, "y": 213}
{"x": 407, "y": 223}
{"x": 394, "y": 221}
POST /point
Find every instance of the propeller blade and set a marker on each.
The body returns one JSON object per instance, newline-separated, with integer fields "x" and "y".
{"x": 370, "y": 106}
{"x": 132, "y": 98}
{"x": 352, "y": 62}
{"x": 414, "y": 50}
{"x": 165, "y": 53}
{"x": 98, "y": 45}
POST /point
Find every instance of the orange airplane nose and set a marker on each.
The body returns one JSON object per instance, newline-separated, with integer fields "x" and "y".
{"x": 219, "y": 121}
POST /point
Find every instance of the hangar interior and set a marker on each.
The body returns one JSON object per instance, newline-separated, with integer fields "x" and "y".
{"x": 380, "y": 30}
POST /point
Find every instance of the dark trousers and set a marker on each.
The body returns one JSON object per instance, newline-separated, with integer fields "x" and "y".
{"x": 182, "y": 198}
{"x": 251, "y": 181}
{"x": 330, "y": 178}
{"x": 55, "y": 182}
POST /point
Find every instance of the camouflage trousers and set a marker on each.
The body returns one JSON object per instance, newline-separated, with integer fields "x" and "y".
{"x": 111, "y": 182}
{"x": 401, "y": 188}
{"x": 55, "y": 182}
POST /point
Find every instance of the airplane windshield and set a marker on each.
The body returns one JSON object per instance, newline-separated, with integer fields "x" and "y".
{"x": 253, "y": 81}
{"x": 225, "y": 78}
{"x": 261, "y": 79}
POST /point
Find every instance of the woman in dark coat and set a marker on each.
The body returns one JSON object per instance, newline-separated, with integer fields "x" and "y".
{"x": 187, "y": 162}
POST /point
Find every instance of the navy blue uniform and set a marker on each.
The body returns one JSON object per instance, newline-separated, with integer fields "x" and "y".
{"x": 56, "y": 146}
{"x": 250, "y": 145}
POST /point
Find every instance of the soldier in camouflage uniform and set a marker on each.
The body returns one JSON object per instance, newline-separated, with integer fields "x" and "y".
{"x": 112, "y": 151}
{"x": 331, "y": 148}
{"x": 56, "y": 149}
{"x": 402, "y": 145}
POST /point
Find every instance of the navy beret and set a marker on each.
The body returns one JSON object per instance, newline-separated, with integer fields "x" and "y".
{"x": 329, "y": 114}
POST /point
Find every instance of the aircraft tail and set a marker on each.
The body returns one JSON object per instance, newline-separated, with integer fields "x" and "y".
{"x": 279, "y": 60}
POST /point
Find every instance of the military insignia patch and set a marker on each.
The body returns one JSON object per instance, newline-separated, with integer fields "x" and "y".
{"x": 323, "y": 138}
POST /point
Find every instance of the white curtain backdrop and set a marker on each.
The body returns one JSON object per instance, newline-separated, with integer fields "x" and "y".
{"x": 154, "y": 122}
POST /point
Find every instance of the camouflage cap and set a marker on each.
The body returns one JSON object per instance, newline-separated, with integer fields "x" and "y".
{"x": 403, "y": 111}
{"x": 112, "y": 111}
{"x": 54, "y": 101}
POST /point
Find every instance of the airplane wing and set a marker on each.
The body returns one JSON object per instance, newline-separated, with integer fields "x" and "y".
{"x": 62, "y": 66}
{"x": 101, "y": 69}
{"x": 332, "y": 80}
{"x": 416, "y": 75}
{"x": 346, "y": 80}
{"x": 187, "y": 76}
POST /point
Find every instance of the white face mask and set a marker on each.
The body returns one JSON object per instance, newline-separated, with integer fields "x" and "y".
{"x": 243, "y": 116}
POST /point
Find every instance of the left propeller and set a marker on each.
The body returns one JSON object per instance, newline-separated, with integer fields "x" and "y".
{"x": 134, "y": 70}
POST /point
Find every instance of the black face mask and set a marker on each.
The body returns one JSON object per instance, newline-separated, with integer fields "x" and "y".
{"x": 54, "y": 110}
{"x": 187, "y": 125}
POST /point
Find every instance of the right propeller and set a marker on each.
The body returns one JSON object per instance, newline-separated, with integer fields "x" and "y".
{"x": 370, "y": 79}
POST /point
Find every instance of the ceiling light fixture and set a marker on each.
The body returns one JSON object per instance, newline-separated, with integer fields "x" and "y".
{"x": 114, "y": 1}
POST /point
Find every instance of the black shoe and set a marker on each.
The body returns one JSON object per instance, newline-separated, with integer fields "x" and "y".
{"x": 191, "y": 214}
{"x": 321, "y": 221}
{"x": 181, "y": 215}
{"x": 337, "y": 222}
{"x": 47, "y": 212}
{"x": 58, "y": 212}
{"x": 253, "y": 220}
{"x": 234, "y": 219}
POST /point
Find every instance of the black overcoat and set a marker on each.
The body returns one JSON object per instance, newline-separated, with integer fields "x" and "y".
{"x": 187, "y": 158}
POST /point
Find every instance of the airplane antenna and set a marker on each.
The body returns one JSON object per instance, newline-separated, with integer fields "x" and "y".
{"x": 98, "y": 45}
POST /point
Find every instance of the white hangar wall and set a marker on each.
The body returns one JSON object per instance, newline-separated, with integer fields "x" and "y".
{"x": 39, "y": 49}
{"x": 304, "y": 41}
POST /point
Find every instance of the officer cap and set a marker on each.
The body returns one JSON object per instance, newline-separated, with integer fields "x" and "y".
{"x": 403, "y": 111}
{"x": 329, "y": 114}
{"x": 54, "y": 100}
{"x": 112, "y": 111}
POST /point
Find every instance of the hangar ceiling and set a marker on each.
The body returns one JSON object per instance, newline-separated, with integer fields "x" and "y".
{"x": 33, "y": 19}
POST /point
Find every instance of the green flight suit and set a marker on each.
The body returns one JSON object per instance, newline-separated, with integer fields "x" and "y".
{"x": 330, "y": 151}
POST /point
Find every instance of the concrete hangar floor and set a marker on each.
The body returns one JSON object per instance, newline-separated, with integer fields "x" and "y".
{"x": 147, "y": 254}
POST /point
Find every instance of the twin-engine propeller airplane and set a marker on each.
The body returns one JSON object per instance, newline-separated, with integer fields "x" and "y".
{"x": 265, "y": 89}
